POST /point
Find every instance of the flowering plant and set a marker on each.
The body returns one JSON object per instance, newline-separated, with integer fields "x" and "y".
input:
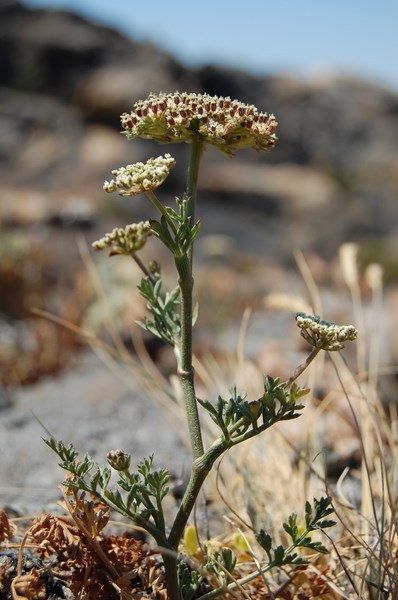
{"x": 229, "y": 125}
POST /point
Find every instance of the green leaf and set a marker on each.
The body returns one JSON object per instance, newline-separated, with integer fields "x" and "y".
{"x": 104, "y": 477}
{"x": 161, "y": 231}
{"x": 210, "y": 408}
{"x": 291, "y": 526}
{"x": 83, "y": 468}
{"x": 157, "y": 287}
{"x": 228, "y": 559}
{"x": 66, "y": 453}
{"x": 230, "y": 411}
{"x": 316, "y": 546}
{"x": 279, "y": 555}
{"x": 131, "y": 498}
{"x": 174, "y": 216}
{"x": 196, "y": 228}
{"x": 265, "y": 541}
{"x": 164, "y": 308}
{"x": 296, "y": 392}
{"x": 115, "y": 497}
{"x": 326, "y": 523}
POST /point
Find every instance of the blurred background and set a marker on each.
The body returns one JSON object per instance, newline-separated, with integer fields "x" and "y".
{"x": 273, "y": 225}
{"x": 69, "y": 68}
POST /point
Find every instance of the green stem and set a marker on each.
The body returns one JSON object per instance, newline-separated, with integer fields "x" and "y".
{"x": 184, "y": 348}
{"x": 197, "y": 148}
{"x": 160, "y": 519}
{"x": 301, "y": 368}
{"x": 200, "y": 469}
{"x": 161, "y": 209}
{"x": 143, "y": 268}
{"x": 247, "y": 435}
{"x": 172, "y": 583}
{"x": 184, "y": 356}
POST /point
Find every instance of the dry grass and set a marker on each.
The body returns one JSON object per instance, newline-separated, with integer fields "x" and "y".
{"x": 271, "y": 476}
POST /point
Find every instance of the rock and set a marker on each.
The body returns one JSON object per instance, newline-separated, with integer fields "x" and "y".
{"x": 102, "y": 147}
{"x": 5, "y": 398}
{"x": 23, "y": 207}
{"x": 95, "y": 407}
{"x": 110, "y": 89}
{"x": 77, "y": 213}
{"x": 297, "y": 189}
{"x": 41, "y": 138}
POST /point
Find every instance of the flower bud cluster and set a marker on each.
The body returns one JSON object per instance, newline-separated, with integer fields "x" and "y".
{"x": 140, "y": 177}
{"x": 119, "y": 460}
{"x": 324, "y": 334}
{"x": 125, "y": 241}
{"x": 181, "y": 117}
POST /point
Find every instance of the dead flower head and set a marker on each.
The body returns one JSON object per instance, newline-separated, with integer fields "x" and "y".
{"x": 227, "y": 124}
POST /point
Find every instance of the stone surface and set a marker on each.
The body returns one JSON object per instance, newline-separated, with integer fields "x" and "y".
{"x": 95, "y": 409}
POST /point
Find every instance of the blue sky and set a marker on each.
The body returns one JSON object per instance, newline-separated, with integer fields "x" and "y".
{"x": 301, "y": 37}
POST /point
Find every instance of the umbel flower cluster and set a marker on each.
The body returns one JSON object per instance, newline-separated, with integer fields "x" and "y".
{"x": 227, "y": 124}
{"x": 125, "y": 241}
{"x": 324, "y": 334}
{"x": 140, "y": 177}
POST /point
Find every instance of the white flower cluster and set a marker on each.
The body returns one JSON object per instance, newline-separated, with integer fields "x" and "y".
{"x": 140, "y": 177}
{"x": 324, "y": 334}
{"x": 125, "y": 241}
{"x": 227, "y": 124}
